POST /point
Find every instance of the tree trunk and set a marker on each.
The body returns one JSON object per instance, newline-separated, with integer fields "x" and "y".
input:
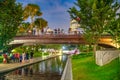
{"x": 94, "y": 49}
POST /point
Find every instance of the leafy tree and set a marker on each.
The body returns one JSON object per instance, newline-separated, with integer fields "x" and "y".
{"x": 31, "y": 10}
{"x": 10, "y": 18}
{"x": 114, "y": 30}
{"x": 95, "y": 17}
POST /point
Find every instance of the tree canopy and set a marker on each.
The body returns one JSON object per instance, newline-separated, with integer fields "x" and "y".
{"x": 10, "y": 18}
{"x": 32, "y": 11}
{"x": 95, "y": 16}
{"x": 41, "y": 23}
{"x": 114, "y": 30}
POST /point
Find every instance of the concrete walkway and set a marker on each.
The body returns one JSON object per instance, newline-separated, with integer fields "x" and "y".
{"x": 11, "y": 66}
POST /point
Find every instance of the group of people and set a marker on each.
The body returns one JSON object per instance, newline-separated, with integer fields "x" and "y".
{"x": 58, "y": 31}
{"x": 36, "y": 31}
{"x": 17, "y": 57}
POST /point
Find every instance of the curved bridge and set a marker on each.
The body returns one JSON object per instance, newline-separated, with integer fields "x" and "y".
{"x": 105, "y": 41}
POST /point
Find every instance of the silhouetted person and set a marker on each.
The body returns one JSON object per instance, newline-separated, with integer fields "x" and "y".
{"x": 31, "y": 54}
{"x": 55, "y": 31}
{"x": 58, "y": 30}
{"x": 27, "y": 56}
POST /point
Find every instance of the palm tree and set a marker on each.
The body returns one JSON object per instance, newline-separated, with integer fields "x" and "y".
{"x": 24, "y": 28}
{"x": 41, "y": 23}
{"x": 31, "y": 10}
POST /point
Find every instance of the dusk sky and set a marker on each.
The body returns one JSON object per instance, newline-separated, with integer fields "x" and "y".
{"x": 54, "y": 11}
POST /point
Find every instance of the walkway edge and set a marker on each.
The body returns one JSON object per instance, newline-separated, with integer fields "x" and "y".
{"x": 67, "y": 73}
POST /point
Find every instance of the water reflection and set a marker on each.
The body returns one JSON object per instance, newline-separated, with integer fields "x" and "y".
{"x": 46, "y": 70}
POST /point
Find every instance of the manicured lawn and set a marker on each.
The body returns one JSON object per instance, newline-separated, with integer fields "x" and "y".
{"x": 84, "y": 68}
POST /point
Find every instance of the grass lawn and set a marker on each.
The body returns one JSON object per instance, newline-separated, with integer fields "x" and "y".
{"x": 84, "y": 68}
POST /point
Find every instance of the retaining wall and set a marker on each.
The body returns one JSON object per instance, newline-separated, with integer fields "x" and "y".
{"x": 67, "y": 73}
{"x": 105, "y": 56}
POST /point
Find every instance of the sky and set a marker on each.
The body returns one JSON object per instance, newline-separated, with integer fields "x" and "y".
{"x": 54, "y": 11}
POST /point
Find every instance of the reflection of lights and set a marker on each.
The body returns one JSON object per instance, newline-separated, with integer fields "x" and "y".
{"x": 63, "y": 47}
{"x": 60, "y": 51}
{"x": 60, "y": 57}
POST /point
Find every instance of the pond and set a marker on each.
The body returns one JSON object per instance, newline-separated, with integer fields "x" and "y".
{"x": 46, "y": 70}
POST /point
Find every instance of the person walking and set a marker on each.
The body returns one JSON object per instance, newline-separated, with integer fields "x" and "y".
{"x": 27, "y": 56}
{"x": 20, "y": 58}
{"x": 31, "y": 56}
{"x": 5, "y": 58}
{"x": 23, "y": 57}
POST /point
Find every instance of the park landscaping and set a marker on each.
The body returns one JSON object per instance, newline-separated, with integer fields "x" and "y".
{"x": 84, "y": 68}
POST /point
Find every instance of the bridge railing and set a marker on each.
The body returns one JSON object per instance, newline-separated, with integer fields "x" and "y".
{"x": 48, "y": 36}
{"x": 65, "y": 33}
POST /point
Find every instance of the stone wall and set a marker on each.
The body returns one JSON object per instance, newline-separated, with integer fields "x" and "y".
{"x": 105, "y": 56}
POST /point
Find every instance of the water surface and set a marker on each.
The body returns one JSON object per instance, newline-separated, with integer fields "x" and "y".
{"x": 46, "y": 70}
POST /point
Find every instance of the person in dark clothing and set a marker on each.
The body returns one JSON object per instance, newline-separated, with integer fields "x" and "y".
{"x": 27, "y": 56}
{"x": 20, "y": 58}
{"x": 58, "y": 30}
{"x": 31, "y": 55}
{"x": 55, "y": 31}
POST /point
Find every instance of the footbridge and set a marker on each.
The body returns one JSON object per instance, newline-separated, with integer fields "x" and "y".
{"x": 105, "y": 41}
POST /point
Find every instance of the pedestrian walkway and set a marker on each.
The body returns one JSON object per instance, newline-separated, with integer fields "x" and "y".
{"x": 11, "y": 66}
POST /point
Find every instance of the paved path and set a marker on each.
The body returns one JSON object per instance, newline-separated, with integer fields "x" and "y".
{"x": 12, "y": 66}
